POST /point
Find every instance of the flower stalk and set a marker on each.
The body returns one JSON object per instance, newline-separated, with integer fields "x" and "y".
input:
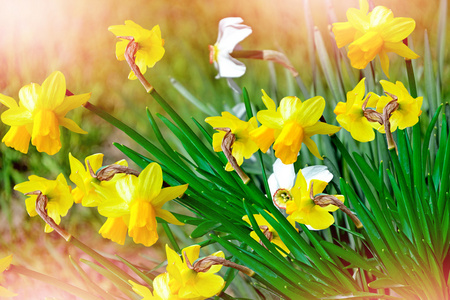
{"x": 325, "y": 200}
{"x": 53, "y": 281}
{"x": 204, "y": 264}
{"x": 227, "y": 144}
{"x": 270, "y": 55}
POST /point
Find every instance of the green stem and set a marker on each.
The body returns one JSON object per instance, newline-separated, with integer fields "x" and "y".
{"x": 53, "y": 281}
{"x": 171, "y": 237}
{"x": 102, "y": 260}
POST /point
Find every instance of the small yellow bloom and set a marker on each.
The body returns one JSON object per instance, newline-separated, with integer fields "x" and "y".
{"x": 409, "y": 110}
{"x": 187, "y": 283}
{"x": 269, "y": 232}
{"x": 350, "y": 114}
{"x": 41, "y": 110}
{"x": 85, "y": 192}
{"x": 293, "y": 123}
{"x": 302, "y": 208}
{"x": 4, "y": 265}
{"x": 60, "y": 199}
{"x": 138, "y": 200}
{"x": 373, "y": 33}
{"x": 243, "y": 146}
{"x": 150, "y": 44}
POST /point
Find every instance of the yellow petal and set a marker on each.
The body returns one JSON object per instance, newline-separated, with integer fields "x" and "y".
{"x": 289, "y": 108}
{"x": 161, "y": 286}
{"x": 70, "y": 103}
{"x": 142, "y": 290}
{"x": 358, "y": 19}
{"x": 207, "y": 285}
{"x": 17, "y": 117}
{"x": 270, "y": 119}
{"x": 340, "y": 108}
{"x": 29, "y": 96}
{"x": 192, "y": 253}
{"x": 167, "y": 216}
{"x": 71, "y": 125}
{"x": 311, "y": 111}
{"x": 147, "y": 235}
{"x": 401, "y": 49}
{"x": 8, "y": 101}
{"x": 53, "y": 91}
{"x": 361, "y": 130}
{"x": 312, "y": 147}
{"x": 398, "y": 30}
{"x": 318, "y": 218}
{"x": 321, "y": 128}
{"x": 168, "y": 194}
{"x": 149, "y": 182}
{"x": 381, "y": 17}
{"x": 268, "y": 102}
{"x": 142, "y": 214}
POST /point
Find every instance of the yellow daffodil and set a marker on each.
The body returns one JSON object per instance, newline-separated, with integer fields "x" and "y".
{"x": 243, "y": 146}
{"x": 302, "y": 208}
{"x": 57, "y": 191}
{"x": 41, "y": 110}
{"x": 373, "y": 33}
{"x": 186, "y": 282}
{"x": 350, "y": 114}
{"x": 269, "y": 232}
{"x": 138, "y": 200}
{"x": 85, "y": 192}
{"x": 409, "y": 108}
{"x": 4, "y": 265}
{"x": 149, "y": 48}
{"x": 293, "y": 123}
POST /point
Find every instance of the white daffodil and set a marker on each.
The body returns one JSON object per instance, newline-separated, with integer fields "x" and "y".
{"x": 231, "y": 33}
{"x": 283, "y": 177}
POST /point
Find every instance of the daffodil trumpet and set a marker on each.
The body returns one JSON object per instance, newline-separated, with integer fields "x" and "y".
{"x": 270, "y": 55}
{"x": 325, "y": 200}
{"x": 204, "y": 265}
{"x": 227, "y": 143}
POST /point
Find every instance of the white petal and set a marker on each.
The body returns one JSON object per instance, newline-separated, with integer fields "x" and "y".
{"x": 231, "y": 33}
{"x": 283, "y": 176}
{"x": 316, "y": 172}
{"x": 230, "y": 67}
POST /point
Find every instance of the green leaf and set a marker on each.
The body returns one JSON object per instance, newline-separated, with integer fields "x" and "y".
{"x": 204, "y": 228}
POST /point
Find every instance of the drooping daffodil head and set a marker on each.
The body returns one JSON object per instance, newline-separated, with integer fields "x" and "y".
{"x": 302, "y": 209}
{"x": 150, "y": 47}
{"x": 409, "y": 108}
{"x": 350, "y": 114}
{"x": 188, "y": 283}
{"x": 369, "y": 34}
{"x": 231, "y": 33}
{"x": 243, "y": 146}
{"x": 58, "y": 193}
{"x": 136, "y": 202}
{"x": 293, "y": 124}
{"x": 40, "y": 112}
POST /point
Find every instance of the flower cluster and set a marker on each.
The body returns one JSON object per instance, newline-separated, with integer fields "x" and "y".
{"x": 354, "y": 116}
